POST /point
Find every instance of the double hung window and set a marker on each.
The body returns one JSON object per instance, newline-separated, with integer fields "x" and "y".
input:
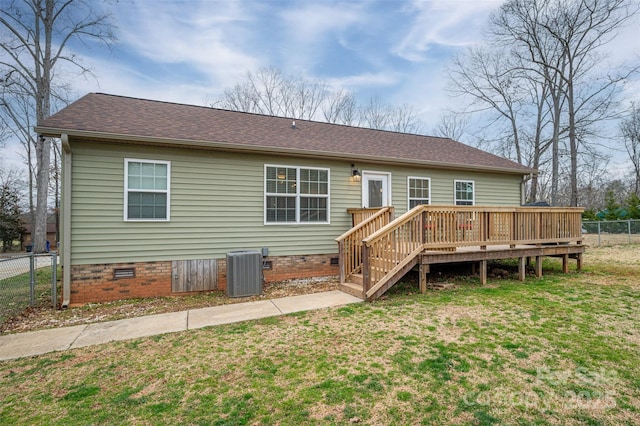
{"x": 464, "y": 193}
{"x": 147, "y": 185}
{"x": 419, "y": 191}
{"x": 296, "y": 194}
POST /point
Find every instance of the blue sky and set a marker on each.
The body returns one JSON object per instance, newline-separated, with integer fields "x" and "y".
{"x": 185, "y": 51}
{"x": 189, "y": 51}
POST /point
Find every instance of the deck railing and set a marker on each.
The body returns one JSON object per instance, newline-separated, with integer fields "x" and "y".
{"x": 350, "y": 243}
{"x": 359, "y": 215}
{"x": 390, "y": 249}
{"x": 450, "y": 227}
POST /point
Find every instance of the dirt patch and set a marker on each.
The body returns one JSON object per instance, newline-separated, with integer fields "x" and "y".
{"x": 39, "y": 318}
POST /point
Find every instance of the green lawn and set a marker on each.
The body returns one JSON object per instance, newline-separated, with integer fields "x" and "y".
{"x": 561, "y": 350}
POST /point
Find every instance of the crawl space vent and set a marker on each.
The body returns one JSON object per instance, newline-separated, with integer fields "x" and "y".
{"x": 124, "y": 273}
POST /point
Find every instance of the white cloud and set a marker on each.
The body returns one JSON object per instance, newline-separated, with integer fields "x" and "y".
{"x": 308, "y": 29}
{"x": 365, "y": 81}
{"x": 206, "y": 36}
{"x": 447, "y": 23}
{"x": 309, "y": 23}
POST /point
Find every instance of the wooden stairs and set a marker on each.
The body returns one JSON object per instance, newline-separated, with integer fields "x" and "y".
{"x": 377, "y": 252}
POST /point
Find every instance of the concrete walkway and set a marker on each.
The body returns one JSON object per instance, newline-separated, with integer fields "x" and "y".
{"x": 58, "y": 339}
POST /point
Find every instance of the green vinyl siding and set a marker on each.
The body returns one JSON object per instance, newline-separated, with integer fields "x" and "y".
{"x": 491, "y": 189}
{"x": 217, "y": 203}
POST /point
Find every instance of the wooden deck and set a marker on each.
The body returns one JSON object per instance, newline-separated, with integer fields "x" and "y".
{"x": 378, "y": 251}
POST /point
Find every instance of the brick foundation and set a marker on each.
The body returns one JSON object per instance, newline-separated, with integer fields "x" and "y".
{"x": 96, "y": 283}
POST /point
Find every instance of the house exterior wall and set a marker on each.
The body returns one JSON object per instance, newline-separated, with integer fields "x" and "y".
{"x": 217, "y": 204}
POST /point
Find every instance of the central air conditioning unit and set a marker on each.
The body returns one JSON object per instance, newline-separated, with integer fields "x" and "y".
{"x": 244, "y": 273}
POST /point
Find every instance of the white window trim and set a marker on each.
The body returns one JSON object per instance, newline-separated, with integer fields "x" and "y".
{"x": 297, "y": 195}
{"x": 126, "y": 189}
{"x": 473, "y": 193}
{"x": 409, "y": 190}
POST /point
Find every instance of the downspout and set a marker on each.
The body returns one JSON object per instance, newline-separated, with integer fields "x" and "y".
{"x": 525, "y": 179}
{"x": 66, "y": 220}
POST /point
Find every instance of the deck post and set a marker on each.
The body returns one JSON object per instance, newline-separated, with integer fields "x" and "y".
{"x": 522, "y": 268}
{"x": 483, "y": 272}
{"x": 565, "y": 263}
{"x": 366, "y": 269}
{"x": 539, "y": 266}
{"x": 423, "y": 271}
{"x": 341, "y": 261}
{"x": 579, "y": 262}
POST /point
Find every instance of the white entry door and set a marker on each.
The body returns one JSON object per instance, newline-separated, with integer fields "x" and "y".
{"x": 376, "y": 189}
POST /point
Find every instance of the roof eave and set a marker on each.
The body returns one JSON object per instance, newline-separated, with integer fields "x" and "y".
{"x": 57, "y": 132}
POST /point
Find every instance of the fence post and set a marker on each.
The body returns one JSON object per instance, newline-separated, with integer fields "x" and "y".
{"x": 599, "y": 238}
{"x": 32, "y": 279}
{"x": 54, "y": 280}
{"x": 629, "y": 229}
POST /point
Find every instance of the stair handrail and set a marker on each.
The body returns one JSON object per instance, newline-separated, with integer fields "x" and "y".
{"x": 364, "y": 223}
{"x": 392, "y": 246}
{"x": 350, "y": 243}
{"x": 396, "y": 222}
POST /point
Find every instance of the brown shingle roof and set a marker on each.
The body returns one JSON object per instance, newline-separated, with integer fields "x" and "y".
{"x": 139, "y": 120}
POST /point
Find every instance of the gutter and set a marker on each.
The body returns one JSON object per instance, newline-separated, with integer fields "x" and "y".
{"x": 257, "y": 149}
{"x": 66, "y": 219}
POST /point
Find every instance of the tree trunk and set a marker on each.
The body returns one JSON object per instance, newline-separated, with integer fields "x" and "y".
{"x": 43, "y": 110}
{"x": 39, "y": 233}
{"x": 573, "y": 146}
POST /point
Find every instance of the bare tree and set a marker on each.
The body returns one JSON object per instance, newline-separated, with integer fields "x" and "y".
{"x": 452, "y": 125}
{"x": 240, "y": 97}
{"x": 562, "y": 41}
{"x": 340, "y": 107}
{"x": 36, "y": 34}
{"x": 512, "y": 101}
{"x": 493, "y": 84}
{"x": 307, "y": 99}
{"x": 375, "y": 114}
{"x": 19, "y": 120}
{"x": 271, "y": 92}
{"x": 630, "y": 129}
{"x": 404, "y": 119}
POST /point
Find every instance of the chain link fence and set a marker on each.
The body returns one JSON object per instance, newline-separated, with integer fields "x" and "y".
{"x": 26, "y": 281}
{"x": 611, "y": 232}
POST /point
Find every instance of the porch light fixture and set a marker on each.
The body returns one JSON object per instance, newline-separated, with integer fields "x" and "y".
{"x": 355, "y": 174}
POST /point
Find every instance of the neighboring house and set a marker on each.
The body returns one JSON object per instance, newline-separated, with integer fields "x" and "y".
{"x": 148, "y": 186}
{"x": 51, "y": 232}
